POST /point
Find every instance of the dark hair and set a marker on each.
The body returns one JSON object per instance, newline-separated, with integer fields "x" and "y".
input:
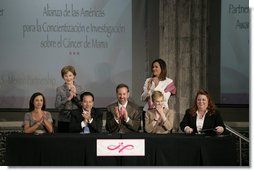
{"x": 121, "y": 86}
{"x": 86, "y": 94}
{"x": 31, "y": 102}
{"x": 211, "y": 106}
{"x": 163, "y": 66}
{"x": 67, "y": 69}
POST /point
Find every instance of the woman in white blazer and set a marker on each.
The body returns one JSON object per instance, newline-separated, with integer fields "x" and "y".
{"x": 160, "y": 82}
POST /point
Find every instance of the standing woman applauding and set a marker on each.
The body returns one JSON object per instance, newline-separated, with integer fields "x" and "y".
{"x": 67, "y": 97}
{"x": 37, "y": 120}
{"x": 160, "y": 82}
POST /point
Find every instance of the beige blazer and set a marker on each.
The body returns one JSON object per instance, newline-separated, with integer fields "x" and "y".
{"x": 160, "y": 127}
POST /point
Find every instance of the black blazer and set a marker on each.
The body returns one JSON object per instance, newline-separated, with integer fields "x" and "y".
{"x": 211, "y": 121}
{"x": 77, "y": 118}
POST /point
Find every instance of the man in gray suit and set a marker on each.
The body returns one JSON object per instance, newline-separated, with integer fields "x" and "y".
{"x": 123, "y": 116}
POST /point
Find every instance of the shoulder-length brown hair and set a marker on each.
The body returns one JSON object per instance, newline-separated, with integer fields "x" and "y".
{"x": 31, "y": 102}
{"x": 163, "y": 66}
{"x": 68, "y": 68}
{"x": 211, "y": 106}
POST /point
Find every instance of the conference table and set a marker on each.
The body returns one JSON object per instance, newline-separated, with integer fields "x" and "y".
{"x": 74, "y": 149}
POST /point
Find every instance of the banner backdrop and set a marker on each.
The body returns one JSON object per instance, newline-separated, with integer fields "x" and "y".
{"x": 38, "y": 38}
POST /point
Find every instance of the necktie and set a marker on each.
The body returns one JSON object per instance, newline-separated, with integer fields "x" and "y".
{"x": 121, "y": 113}
{"x": 86, "y": 130}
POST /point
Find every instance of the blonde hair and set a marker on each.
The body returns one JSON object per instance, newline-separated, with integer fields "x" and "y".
{"x": 156, "y": 95}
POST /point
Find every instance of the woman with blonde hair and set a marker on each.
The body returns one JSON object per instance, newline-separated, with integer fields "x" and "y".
{"x": 159, "y": 120}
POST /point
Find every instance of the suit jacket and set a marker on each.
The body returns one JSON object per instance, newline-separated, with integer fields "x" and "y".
{"x": 133, "y": 125}
{"x": 62, "y": 94}
{"x": 63, "y": 104}
{"x": 210, "y": 121}
{"x": 77, "y": 118}
{"x": 160, "y": 127}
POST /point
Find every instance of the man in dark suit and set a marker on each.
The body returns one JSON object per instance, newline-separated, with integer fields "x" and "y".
{"x": 123, "y": 116}
{"x": 87, "y": 117}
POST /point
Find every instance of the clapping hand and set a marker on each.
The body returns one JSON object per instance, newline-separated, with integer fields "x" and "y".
{"x": 87, "y": 116}
{"x": 72, "y": 90}
{"x": 159, "y": 109}
{"x": 124, "y": 113}
{"x": 149, "y": 85}
{"x": 160, "y": 112}
{"x": 42, "y": 119}
{"x": 116, "y": 112}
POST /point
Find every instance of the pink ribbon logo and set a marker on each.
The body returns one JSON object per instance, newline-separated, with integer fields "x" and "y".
{"x": 120, "y": 147}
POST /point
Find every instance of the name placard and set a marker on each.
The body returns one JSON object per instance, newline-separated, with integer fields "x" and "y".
{"x": 120, "y": 147}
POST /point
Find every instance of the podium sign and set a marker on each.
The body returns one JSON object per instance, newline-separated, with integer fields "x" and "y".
{"x": 120, "y": 147}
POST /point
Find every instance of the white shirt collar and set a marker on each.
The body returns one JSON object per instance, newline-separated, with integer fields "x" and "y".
{"x": 120, "y": 105}
{"x": 204, "y": 113}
